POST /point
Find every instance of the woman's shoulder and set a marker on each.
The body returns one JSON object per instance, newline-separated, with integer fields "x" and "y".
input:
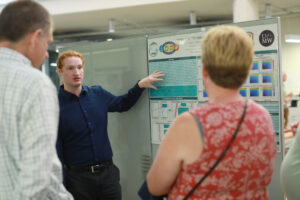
{"x": 217, "y": 107}
{"x": 256, "y": 108}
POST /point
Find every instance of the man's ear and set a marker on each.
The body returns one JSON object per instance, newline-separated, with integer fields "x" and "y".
{"x": 33, "y": 38}
{"x": 59, "y": 71}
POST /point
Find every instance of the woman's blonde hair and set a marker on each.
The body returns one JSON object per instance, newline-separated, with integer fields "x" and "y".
{"x": 227, "y": 53}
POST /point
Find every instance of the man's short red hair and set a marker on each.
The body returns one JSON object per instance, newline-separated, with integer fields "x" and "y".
{"x": 67, "y": 54}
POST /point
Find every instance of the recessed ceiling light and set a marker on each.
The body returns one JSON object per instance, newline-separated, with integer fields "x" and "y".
{"x": 292, "y": 38}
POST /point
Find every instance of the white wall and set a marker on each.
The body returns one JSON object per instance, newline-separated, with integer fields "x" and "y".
{"x": 291, "y": 54}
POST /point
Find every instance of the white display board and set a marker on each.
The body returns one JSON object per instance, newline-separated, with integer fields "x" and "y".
{"x": 179, "y": 57}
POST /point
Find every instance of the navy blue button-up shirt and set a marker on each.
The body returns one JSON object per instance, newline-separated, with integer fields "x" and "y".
{"x": 82, "y": 134}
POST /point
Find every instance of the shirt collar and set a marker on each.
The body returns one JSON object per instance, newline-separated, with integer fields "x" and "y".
{"x": 7, "y": 53}
{"x": 84, "y": 90}
{"x": 69, "y": 95}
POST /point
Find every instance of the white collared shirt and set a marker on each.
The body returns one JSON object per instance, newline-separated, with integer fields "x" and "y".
{"x": 28, "y": 131}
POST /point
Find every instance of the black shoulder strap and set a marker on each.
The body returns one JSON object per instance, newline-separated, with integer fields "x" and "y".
{"x": 221, "y": 156}
{"x": 199, "y": 126}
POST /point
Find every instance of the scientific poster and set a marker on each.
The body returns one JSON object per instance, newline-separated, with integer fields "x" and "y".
{"x": 179, "y": 57}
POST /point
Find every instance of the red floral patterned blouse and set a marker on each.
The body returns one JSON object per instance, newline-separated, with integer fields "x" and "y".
{"x": 246, "y": 170}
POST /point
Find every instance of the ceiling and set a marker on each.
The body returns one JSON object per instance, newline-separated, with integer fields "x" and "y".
{"x": 88, "y": 19}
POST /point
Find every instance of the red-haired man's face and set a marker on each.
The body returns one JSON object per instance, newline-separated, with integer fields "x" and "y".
{"x": 72, "y": 72}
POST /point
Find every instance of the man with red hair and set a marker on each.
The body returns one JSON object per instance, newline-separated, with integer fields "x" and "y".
{"x": 83, "y": 145}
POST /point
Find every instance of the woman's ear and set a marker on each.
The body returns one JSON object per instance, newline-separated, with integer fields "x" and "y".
{"x": 204, "y": 72}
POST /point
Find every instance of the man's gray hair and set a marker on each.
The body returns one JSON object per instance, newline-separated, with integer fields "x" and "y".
{"x": 20, "y": 18}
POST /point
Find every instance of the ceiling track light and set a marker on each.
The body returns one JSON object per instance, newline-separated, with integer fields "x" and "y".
{"x": 111, "y": 26}
{"x": 193, "y": 18}
{"x": 268, "y": 10}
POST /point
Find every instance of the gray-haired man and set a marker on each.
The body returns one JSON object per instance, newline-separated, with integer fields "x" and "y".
{"x": 28, "y": 106}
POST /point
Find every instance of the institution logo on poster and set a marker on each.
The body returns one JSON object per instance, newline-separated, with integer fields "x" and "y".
{"x": 153, "y": 49}
{"x": 169, "y": 47}
{"x": 266, "y": 38}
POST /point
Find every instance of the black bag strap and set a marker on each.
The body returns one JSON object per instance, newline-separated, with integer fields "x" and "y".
{"x": 221, "y": 156}
{"x": 199, "y": 126}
